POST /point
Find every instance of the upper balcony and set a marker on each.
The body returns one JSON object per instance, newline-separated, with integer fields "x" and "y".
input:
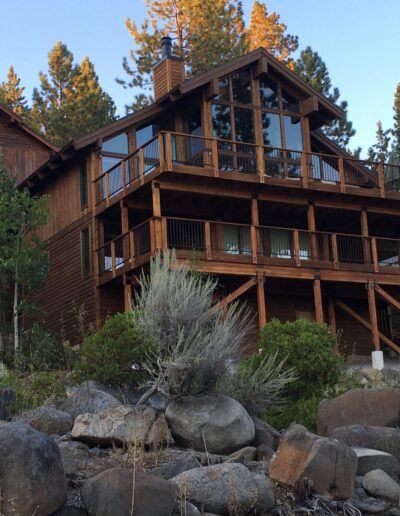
{"x": 199, "y": 156}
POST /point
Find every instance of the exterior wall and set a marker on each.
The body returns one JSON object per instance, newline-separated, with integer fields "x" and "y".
{"x": 22, "y": 153}
{"x": 65, "y": 289}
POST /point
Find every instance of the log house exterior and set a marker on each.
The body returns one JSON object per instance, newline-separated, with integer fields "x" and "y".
{"x": 229, "y": 168}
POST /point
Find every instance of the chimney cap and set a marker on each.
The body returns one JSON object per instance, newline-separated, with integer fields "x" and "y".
{"x": 166, "y": 46}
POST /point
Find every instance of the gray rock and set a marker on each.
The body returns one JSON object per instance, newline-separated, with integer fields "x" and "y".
{"x": 110, "y": 494}
{"x": 329, "y": 464}
{"x": 369, "y": 459}
{"x": 247, "y": 453}
{"x": 32, "y": 478}
{"x": 367, "y": 504}
{"x": 89, "y": 397}
{"x": 221, "y": 487}
{"x": 74, "y": 456}
{"x": 375, "y": 437}
{"x": 175, "y": 463}
{"x": 47, "y": 419}
{"x": 373, "y": 407}
{"x": 265, "y": 434}
{"x": 264, "y": 453}
{"x": 6, "y": 396}
{"x": 121, "y": 425}
{"x": 218, "y": 420}
{"x": 182, "y": 508}
{"x": 158, "y": 401}
{"x": 378, "y": 483}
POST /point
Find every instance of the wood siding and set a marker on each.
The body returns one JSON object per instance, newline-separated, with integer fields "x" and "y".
{"x": 22, "y": 153}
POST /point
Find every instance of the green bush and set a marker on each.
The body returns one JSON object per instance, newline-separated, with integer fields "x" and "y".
{"x": 309, "y": 349}
{"x": 108, "y": 355}
{"x": 32, "y": 390}
{"x": 44, "y": 351}
{"x": 302, "y": 411}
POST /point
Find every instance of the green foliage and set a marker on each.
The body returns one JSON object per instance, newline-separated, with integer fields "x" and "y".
{"x": 44, "y": 351}
{"x": 259, "y": 385}
{"x": 194, "y": 345}
{"x": 309, "y": 348}
{"x": 108, "y": 355}
{"x": 12, "y": 93}
{"x": 70, "y": 101}
{"x": 311, "y": 69}
{"x": 302, "y": 411}
{"x": 32, "y": 390}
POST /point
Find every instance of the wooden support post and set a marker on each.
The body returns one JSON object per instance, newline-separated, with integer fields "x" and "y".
{"x": 335, "y": 254}
{"x": 131, "y": 246}
{"x": 141, "y": 165}
{"x": 164, "y": 231}
{"x": 207, "y": 239}
{"x": 304, "y": 170}
{"x": 319, "y": 312}
{"x": 373, "y": 316}
{"x": 381, "y": 180}
{"x": 127, "y": 294}
{"x": 215, "y": 161}
{"x": 156, "y": 201}
{"x": 262, "y": 312}
{"x": 124, "y": 231}
{"x": 123, "y": 176}
{"x": 296, "y": 245}
{"x": 107, "y": 181}
{"x": 113, "y": 261}
{"x": 342, "y": 176}
{"x": 255, "y": 222}
{"x": 161, "y": 152}
{"x": 365, "y": 236}
{"x": 374, "y": 252}
{"x": 312, "y": 229}
{"x": 261, "y": 163}
{"x": 331, "y": 313}
{"x": 168, "y": 151}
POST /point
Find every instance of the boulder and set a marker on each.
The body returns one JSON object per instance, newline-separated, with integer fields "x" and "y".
{"x": 6, "y": 396}
{"x": 110, "y": 494}
{"x": 47, "y": 419}
{"x": 264, "y": 453}
{"x": 185, "y": 508}
{"x": 74, "y": 456}
{"x": 174, "y": 462}
{"x": 90, "y": 397}
{"x": 244, "y": 454}
{"x": 216, "y": 420}
{"x": 378, "y": 483}
{"x": 158, "y": 401}
{"x": 265, "y": 434}
{"x": 367, "y": 504}
{"x": 374, "y": 407}
{"x": 225, "y": 487}
{"x": 330, "y": 465}
{"x": 142, "y": 425}
{"x": 375, "y": 437}
{"x": 32, "y": 478}
{"x": 368, "y": 460}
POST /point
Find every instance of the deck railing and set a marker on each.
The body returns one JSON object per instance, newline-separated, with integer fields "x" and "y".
{"x": 223, "y": 241}
{"x": 170, "y": 151}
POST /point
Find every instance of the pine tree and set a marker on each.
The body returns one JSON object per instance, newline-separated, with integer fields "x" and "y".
{"x": 268, "y": 32}
{"x": 311, "y": 69}
{"x": 70, "y": 101}
{"x": 396, "y": 126}
{"x": 205, "y": 34}
{"x": 380, "y": 150}
{"x": 12, "y": 93}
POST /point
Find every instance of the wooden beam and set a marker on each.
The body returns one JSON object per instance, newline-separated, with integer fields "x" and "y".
{"x": 365, "y": 323}
{"x": 212, "y": 89}
{"x": 319, "y": 311}
{"x": 309, "y": 105}
{"x": 312, "y": 228}
{"x": 127, "y": 295}
{"x": 373, "y": 316}
{"x": 235, "y": 294}
{"x": 262, "y": 312}
{"x": 365, "y": 235}
{"x": 331, "y": 314}
{"x": 261, "y": 67}
{"x": 387, "y": 297}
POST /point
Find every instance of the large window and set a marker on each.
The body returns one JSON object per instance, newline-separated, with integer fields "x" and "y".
{"x": 83, "y": 184}
{"x": 112, "y": 152}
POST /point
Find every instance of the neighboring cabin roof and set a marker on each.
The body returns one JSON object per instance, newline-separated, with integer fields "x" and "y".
{"x": 182, "y": 89}
{"x": 16, "y": 119}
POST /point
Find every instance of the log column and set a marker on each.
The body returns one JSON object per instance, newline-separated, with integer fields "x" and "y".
{"x": 156, "y": 226}
{"x": 262, "y": 312}
{"x": 312, "y": 229}
{"x": 365, "y": 235}
{"x": 319, "y": 312}
{"x": 373, "y": 316}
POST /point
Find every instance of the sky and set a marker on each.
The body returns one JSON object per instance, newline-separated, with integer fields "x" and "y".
{"x": 357, "y": 39}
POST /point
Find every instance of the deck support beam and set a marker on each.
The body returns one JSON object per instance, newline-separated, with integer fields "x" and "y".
{"x": 127, "y": 294}
{"x": 156, "y": 227}
{"x": 235, "y": 294}
{"x": 373, "y": 316}
{"x": 387, "y": 297}
{"x": 262, "y": 311}
{"x": 319, "y": 311}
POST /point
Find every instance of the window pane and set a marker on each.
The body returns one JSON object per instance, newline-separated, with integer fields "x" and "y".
{"x": 224, "y": 89}
{"x": 119, "y": 144}
{"x": 83, "y": 184}
{"x": 143, "y": 135}
{"x": 85, "y": 252}
{"x": 268, "y": 93}
{"x": 107, "y": 162}
{"x": 241, "y": 87}
{"x": 244, "y": 125}
{"x": 221, "y": 116}
{"x": 271, "y": 130}
{"x": 293, "y": 133}
{"x": 289, "y": 103}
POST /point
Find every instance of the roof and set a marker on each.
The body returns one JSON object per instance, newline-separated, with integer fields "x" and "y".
{"x": 182, "y": 89}
{"x": 18, "y": 120}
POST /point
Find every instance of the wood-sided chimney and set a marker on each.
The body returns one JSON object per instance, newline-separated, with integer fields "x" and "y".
{"x": 168, "y": 72}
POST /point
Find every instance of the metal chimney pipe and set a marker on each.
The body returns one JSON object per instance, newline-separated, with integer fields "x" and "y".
{"x": 166, "y": 47}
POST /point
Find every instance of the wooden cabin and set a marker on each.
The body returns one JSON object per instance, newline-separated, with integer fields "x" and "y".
{"x": 229, "y": 168}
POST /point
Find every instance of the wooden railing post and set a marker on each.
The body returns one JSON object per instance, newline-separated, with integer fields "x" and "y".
{"x": 123, "y": 176}
{"x": 168, "y": 151}
{"x": 373, "y": 316}
{"x": 342, "y": 176}
{"x": 164, "y": 233}
{"x": 107, "y": 180}
{"x": 215, "y": 161}
{"x": 141, "y": 165}
{"x": 161, "y": 151}
{"x": 113, "y": 262}
{"x": 131, "y": 246}
{"x": 374, "y": 251}
{"x": 254, "y": 245}
{"x": 304, "y": 170}
{"x": 381, "y": 180}
{"x": 207, "y": 239}
{"x": 319, "y": 312}
{"x": 262, "y": 310}
{"x": 296, "y": 245}
{"x": 261, "y": 163}
{"x": 335, "y": 255}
